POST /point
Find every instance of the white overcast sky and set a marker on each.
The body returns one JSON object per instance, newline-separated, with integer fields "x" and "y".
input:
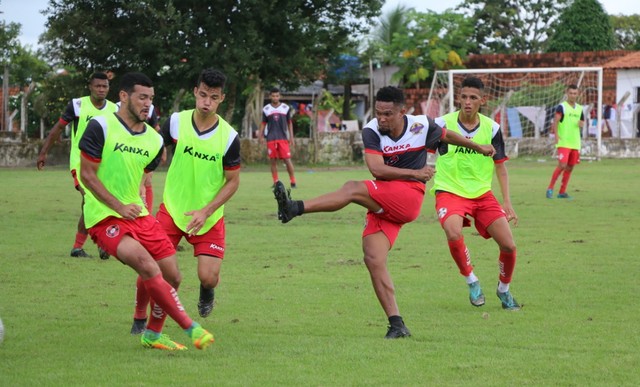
{"x": 27, "y": 12}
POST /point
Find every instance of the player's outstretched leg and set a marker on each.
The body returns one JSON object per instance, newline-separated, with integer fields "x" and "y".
{"x": 287, "y": 208}
{"x": 200, "y": 337}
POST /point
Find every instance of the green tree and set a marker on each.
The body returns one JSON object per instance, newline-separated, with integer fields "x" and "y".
{"x": 627, "y": 31}
{"x": 21, "y": 67}
{"x": 389, "y": 25}
{"x": 254, "y": 42}
{"x": 583, "y": 26}
{"x": 432, "y": 41}
{"x": 512, "y": 26}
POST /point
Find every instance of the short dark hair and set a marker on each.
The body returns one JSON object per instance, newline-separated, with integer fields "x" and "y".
{"x": 98, "y": 75}
{"x": 130, "y": 80}
{"x": 274, "y": 90}
{"x": 390, "y": 94}
{"x": 473, "y": 82}
{"x": 212, "y": 78}
{"x": 572, "y": 86}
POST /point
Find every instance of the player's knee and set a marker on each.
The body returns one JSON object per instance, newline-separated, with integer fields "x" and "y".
{"x": 209, "y": 281}
{"x": 508, "y": 247}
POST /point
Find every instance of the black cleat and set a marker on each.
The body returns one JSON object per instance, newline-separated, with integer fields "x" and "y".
{"x": 206, "y": 302}
{"x": 79, "y": 253}
{"x": 103, "y": 254}
{"x": 293, "y": 185}
{"x": 397, "y": 332}
{"x": 286, "y": 206}
{"x": 139, "y": 325}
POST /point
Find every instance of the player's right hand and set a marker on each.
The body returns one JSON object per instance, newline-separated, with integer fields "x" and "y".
{"x": 40, "y": 163}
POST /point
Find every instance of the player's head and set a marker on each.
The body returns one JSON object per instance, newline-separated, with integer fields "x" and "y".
{"x": 471, "y": 96}
{"x": 98, "y": 84}
{"x": 572, "y": 93}
{"x": 274, "y": 95}
{"x": 212, "y": 78}
{"x": 389, "y": 109}
{"x": 136, "y": 96}
{"x": 209, "y": 91}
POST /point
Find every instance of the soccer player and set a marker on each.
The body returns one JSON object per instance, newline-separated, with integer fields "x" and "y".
{"x": 462, "y": 186}
{"x": 146, "y": 190}
{"x": 276, "y": 118}
{"x": 116, "y": 151}
{"x": 395, "y": 153}
{"x": 566, "y": 125}
{"x": 203, "y": 175}
{"x": 79, "y": 111}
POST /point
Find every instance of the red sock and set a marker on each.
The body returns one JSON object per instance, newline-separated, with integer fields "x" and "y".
{"x": 565, "y": 181}
{"x": 142, "y": 300}
{"x": 461, "y": 256}
{"x": 507, "y": 262}
{"x": 157, "y": 317}
{"x": 167, "y": 298}
{"x": 80, "y": 239}
{"x": 275, "y": 177}
{"x": 554, "y": 177}
{"x": 148, "y": 193}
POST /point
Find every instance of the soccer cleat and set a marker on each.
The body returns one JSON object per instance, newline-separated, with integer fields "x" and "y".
{"x": 549, "y": 193}
{"x": 508, "y": 302}
{"x": 79, "y": 253}
{"x": 205, "y": 307}
{"x": 103, "y": 254}
{"x": 138, "y": 326}
{"x": 161, "y": 342}
{"x": 564, "y": 196}
{"x": 394, "y": 332}
{"x": 206, "y": 301}
{"x": 286, "y": 207}
{"x": 200, "y": 337}
{"x": 476, "y": 297}
{"x": 293, "y": 185}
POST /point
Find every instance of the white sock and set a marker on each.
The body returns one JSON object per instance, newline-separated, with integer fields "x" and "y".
{"x": 502, "y": 287}
{"x": 471, "y": 278}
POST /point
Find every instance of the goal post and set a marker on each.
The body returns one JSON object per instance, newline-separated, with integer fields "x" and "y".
{"x": 523, "y": 100}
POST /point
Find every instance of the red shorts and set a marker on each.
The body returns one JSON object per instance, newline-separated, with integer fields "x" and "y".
{"x": 569, "y": 156}
{"x": 484, "y": 209}
{"x": 401, "y": 201}
{"x": 108, "y": 233}
{"x": 210, "y": 243}
{"x": 278, "y": 149}
{"x": 76, "y": 182}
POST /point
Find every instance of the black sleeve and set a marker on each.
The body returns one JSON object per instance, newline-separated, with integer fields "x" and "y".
{"x": 498, "y": 143}
{"x": 231, "y": 159}
{"x": 92, "y": 141}
{"x": 155, "y": 162}
{"x": 165, "y": 131}
{"x": 434, "y": 135}
{"x": 371, "y": 141}
{"x": 69, "y": 114}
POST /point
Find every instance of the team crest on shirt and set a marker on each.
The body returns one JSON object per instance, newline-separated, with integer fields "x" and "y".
{"x": 442, "y": 212}
{"x": 113, "y": 231}
{"x": 416, "y": 128}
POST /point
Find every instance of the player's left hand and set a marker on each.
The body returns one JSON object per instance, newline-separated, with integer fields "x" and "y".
{"x": 511, "y": 214}
{"x": 197, "y": 221}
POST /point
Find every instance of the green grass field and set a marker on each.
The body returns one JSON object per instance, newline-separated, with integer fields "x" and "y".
{"x": 295, "y": 306}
